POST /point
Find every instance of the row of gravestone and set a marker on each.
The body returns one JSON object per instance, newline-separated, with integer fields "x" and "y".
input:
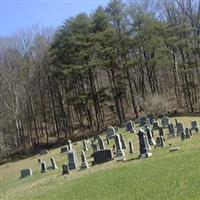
{"x": 101, "y": 154}
{"x": 183, "y": 132}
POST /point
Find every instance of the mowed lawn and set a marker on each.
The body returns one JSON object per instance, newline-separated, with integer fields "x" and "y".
{"x": 165, "y": 175}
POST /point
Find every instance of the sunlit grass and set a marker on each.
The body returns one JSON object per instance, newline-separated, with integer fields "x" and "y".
{"x": 165, "y": 175}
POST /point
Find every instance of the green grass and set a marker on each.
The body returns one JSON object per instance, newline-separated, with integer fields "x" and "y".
{"x": 165, "y": 175}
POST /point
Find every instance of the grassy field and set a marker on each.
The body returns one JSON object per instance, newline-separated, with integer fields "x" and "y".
{"x": 164, "y": 176}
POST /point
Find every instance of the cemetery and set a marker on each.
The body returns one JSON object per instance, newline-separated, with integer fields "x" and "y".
{"x": 155, "y": 161}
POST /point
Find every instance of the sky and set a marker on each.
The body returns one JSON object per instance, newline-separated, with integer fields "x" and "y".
{"x": 19, "y": 14}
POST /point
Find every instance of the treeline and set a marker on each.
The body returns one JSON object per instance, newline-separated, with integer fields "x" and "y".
{"x": 95, "y": 70}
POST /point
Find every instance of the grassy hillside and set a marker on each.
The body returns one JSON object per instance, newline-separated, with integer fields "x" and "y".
{"x": 165, "y": 175}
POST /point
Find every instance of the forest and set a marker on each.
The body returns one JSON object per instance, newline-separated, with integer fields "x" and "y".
{"x": 121, "y": 62}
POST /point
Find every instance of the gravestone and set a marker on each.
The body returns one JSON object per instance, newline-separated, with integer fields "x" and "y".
{"x": 165, "y": 122}
{"x": 151, "y": 118}
{"x": 183, "y": 134}
{"x": 148, "y": 122}
{"x": 102, "y": 156}
{"x": 85, "y": 147}
{"x": 108, "y": 141}
{"x": 72, "y": 160}
{"x": 174, "y": 149}
{"x": 43, "y": 151}
{"x": 187, "y": 133}
{"x": 69, "y": 144}
{"x": 179, "y": 128}
{"x": 176, "y": 122}
{"x": 143, "y": 121}
{"x": 119, "y": 151}
{"x": 162, "y": 141}
{"x": 114, "y": 148}
{"x": 53, "y": 163}
{"x": 26, "y": 172}
{"x": 84, "y": 163}
{"x": 149, "y": 135}
{"x": 143, "y": 143}
{"x": 160, "y": 129}
{"x": 130, "y": 144}
{"x": 43, "y": 167}
{"x": 122, "y": 141}
{"x": 63, "y": 149}
{"x": 147, "y": 142}
{"x": 158, "y": 141}
{"x": 155, "y": 125}
{"x": 101, "y": 143}
{"x": 172, "y": 130}
{"x": 110, "y": 132}
{"x": 94, "y": 146}
{"x": 195, "y": 126}
{"x": 130, "y": 127}
{"x": 65, "y": 169}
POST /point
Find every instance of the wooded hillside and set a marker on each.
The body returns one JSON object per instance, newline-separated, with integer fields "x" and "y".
{"x": 95, "y": 70}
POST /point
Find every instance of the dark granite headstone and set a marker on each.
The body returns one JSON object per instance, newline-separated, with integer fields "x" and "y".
{"x": 172, "y": 130}
{"x": 155, "y": 125}
{"x": 102, "y": 156}
{"x": 63, "y": 149}
{"x": 65, "y": 169}
{"x": 160, "y": 129}
{"x": 43, "y": 152}
{"x": 26, "y": 172}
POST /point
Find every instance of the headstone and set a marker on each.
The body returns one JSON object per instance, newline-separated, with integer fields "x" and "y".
{"x": 187, "y": 133}
{"x": 63, "y": 149}
{"x": 53, "y": 163}
{"x": 101, "y": 143}
{"x": 110, "y": 131}
{"x": 26, "y": 172}
{"x": 148, "y": 122}
{"x": 195, "y": 126}
{"x": 85, "y": 148}
{"x": 151, "y": 118}
{"x": 179, "y": 128}
{"x": 147, "y": 143}
{"x": 155, "y": 125}
{"x": 165, "y": 122}
{"x": 130, "y": 146}
{"x": 149, "y": 135}
{"x": 65, "y": 169}
{"x": 144, "y": 149}
{"x": 172, "y": 130}
{"x": 72, "y": 160}
{"x": 143, "y": 121}
{"x": 69, "y": 144}
{"x": 43, "y": 152}
{"x": 102, "y": 156}
{"x": 158, "y": 141}
{"x": 114, "y": 148}
{"x": 122, "y": 141}
{"x": 183, "y": 134}
{"x": 176, "y": 122}
{"x": 119, "y": 151}
{"x": 108, "y": 141}
{"x": 162, "y": 141}
{"x": 43, "y": 167}
{"x": 84, "y": 163}
{"x": 130, "y": 127}
{"x": 94, "y": 146}
{"x": 174, "y": 149}
{"x": 160, "y": 129}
